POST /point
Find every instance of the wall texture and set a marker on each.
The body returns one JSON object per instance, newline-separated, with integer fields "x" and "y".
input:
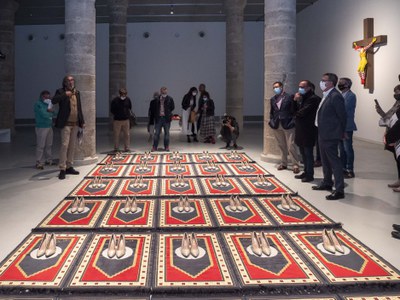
{"x": 173, "y": 55}
{"x": 325, "y": 34}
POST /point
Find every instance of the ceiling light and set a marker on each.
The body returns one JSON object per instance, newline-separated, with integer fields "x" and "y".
{"x": 172, "y": 10}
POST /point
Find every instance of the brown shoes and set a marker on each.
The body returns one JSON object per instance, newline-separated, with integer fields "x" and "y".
{"x": 281, "y": 167}
{"x": 394, "y": 184}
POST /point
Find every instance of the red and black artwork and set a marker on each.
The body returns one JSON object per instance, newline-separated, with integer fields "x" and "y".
{"x": 95, "y": 187}
{"x": 28, "y": 267}
{"x": 98, "y": 268}
{"x": 139, "y": 186}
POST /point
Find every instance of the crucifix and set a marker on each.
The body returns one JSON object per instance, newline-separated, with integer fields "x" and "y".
{"x": 366, "y": 66}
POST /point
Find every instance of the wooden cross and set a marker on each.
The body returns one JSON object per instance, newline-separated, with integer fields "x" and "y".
{"x": 380, "y": 41}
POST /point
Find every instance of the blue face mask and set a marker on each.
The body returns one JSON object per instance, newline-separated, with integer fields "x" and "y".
{"x": 302, "y": 91}
{"x": 277, "y": 90}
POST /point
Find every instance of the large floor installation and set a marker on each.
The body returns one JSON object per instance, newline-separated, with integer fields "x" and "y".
{"x": 207, "y": 225}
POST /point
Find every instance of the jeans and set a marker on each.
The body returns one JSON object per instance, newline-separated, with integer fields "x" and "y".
{"x": 347, "y": 152}
{"x": 162, "y": 122}
{"x": 308, "y": 161}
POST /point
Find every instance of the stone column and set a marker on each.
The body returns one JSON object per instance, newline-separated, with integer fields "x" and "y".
{"x": 7, "y": 65}
{"x": 234, "y": 10}
{"x": 279, "y": 61}
{"x": 80, "y": 62}
{"x": 118, "y": 10}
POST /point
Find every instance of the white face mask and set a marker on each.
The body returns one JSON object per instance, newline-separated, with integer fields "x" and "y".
{"x": 194, "y": 94}
{"x": 123, "y": 97}
{"x": 322, "y": 85}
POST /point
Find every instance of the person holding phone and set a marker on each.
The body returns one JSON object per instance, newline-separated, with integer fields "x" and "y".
{"x": 388, "y": 120}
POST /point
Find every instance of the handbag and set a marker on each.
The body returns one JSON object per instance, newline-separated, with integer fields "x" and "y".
{"x": 132, "y": 119}
{"x": 192, "y": 117}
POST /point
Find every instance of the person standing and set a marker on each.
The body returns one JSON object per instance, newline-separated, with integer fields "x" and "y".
{"x": 161, "y": 110}
{"x": 207, "y": 127}
{"x": 44, "y": 113}
{"x": 121, "y": 109}
{"x": 346, "y": 145}
{"x": 69, "y": 120}
{"x": 386, "y": 120}
{"x": 305, "y": 130}
{"x": 189, "y": 126}
{"x": 150, "y": 123}
{"x": 331, "y": 123}
{"x": 282, "y": 123}
{"x": 202, "y": 90}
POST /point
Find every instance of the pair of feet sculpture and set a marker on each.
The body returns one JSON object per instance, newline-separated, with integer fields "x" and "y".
{"x": 78, "y": 205}
{"x": 47, "y": 246}
{"x": 130, "y": 205}
{"x": 109, "y": 167}
{"x": 220, "y": 180}
{"x": 116, "y": 247}
{"x": 189, "y": 245}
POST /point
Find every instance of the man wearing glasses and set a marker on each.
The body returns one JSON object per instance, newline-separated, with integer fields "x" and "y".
{"x": 69, "y": 120}
{"x": 331, "y": 123}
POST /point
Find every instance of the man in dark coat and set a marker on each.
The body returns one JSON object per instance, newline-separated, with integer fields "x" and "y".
{"x": 331, "y": 122}
{"x": 69, "y": 120}
{"x": 305, "y": 130}
{"x": 161, "y": 111}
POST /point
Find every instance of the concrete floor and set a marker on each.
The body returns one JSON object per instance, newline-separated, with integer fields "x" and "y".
{"x": 370, "y": 208}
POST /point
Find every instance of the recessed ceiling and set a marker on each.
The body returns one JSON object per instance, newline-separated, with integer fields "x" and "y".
{"x": 36, "y": 12}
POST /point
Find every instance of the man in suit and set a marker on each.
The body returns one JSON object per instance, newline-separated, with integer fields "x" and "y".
{"x": 346, "y": 145}
{"x": 331, "y": 123}
{"x": 161, "y": 112}
{"x": 282, "y": 123}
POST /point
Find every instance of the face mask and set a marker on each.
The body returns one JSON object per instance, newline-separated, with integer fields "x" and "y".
{"x": 397, "y": 97}
{"x": 205, "y": 98}
{"x": 341, "y": 87}
{"x": 163, "y": 95}
{"x": 322, "y": 85}
{"x": 123, "y": 97}
{"x": 302, "y": 91}
{"x": 194, "y": 94}
{"x": 277, "y": 90}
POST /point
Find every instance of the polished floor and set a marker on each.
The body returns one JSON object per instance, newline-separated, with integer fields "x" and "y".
{"x": 370, "y": 208}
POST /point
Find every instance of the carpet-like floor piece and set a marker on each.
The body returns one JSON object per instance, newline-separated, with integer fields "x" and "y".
{"x": 193, "y": 233}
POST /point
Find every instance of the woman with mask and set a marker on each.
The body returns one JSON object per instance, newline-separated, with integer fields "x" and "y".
{"x": 207, "y": 127}
{"x": 390, "y": 121}
{"x": 189, "y": 126}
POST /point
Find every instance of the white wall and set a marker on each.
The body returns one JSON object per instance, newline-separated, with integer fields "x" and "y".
{"x": 174, "y": 55}
{"x": 325, "y": 33}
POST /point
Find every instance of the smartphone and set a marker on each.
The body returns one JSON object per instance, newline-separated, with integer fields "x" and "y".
{"x": 376, "y": 102}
